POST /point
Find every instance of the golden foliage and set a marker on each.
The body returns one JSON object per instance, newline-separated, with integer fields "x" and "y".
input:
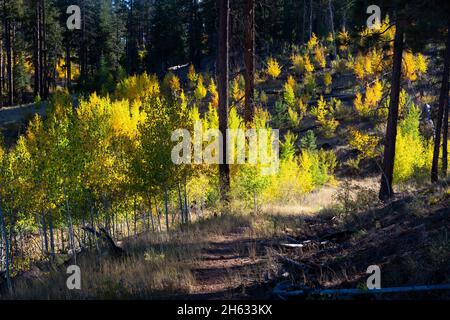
{"x": 273, "y": 68}
{"x": 364, "y": 143}
{"x": 319, "y": 57}
{"x": 312, "y": 42}
{"x": 324, "y": 113}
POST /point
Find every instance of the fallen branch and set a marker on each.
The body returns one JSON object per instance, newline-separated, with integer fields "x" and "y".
{"x": 103, "y": 235}
{"x": 299, "y": 265}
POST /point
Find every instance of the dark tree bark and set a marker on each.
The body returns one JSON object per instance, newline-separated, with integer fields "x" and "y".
{"x": 391, "y": 129}
{"x": 445, "y": 128}
{"x": 330, "y": 9}
{"x": 304, "y": 22}
{"x": 310, "y": 18}
{"x": 249, "y": 59}
{"x": 445, "y": 143}
{"x": 1, "y": 72}
{"x": 44, "y": 67}
{"x": 443, "y": 104}
{"x": 9, "y": 60}
{"x": 222, "y": 66}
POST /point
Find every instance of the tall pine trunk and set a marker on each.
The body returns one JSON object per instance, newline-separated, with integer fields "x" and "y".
{"x": 445, "y": 143}
{"x": 249, "y": 59}
{"x": 391, "y": 129}
{"x": 9, "y": 61}
{"x": 443, "y": 104}
{"x": 222, "y": 66}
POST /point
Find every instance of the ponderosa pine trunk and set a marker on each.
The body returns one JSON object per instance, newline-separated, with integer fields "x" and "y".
{"x": 387, "y": 175}
{"x": 443, "y": 104}
{"x": 9, "y": 60}
{"x": 445, "y": 127}
{"x": 223, "y": 74}
{"x": 445, "y": 143}
{"x": 249, "y": 60}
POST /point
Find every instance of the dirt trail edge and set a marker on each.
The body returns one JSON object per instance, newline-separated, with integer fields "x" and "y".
{"x": 231, "y": 266}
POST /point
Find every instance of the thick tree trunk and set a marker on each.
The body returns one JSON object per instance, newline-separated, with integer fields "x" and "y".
{"x": 9, "y": 61}
{"x": 1, "y": 73}
{"x": 249, "y": 59}
{"x": 443, "y": 104}
{"x": 391, "y": 129}
{"x": 45, "y": 84}
{"x": 445, "y": 143}
{"x": 37, "y": 50}
{"x": 222, "y": 66}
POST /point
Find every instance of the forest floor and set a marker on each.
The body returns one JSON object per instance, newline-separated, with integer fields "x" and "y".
{"x": 230, "y": 267}
{"x": 332, "y": 248}
{"x": 244, "y": 256}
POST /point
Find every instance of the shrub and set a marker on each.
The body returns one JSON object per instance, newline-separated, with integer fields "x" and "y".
{"x": 364, "y": 143}
{"x": 200, "y": 90}
{"x": 192, "y": 75}
{"x": 273, "y": 68}
{"x": 412, "y": 151}
{"x": 309, "y": 84}
{"x": 309, "y": 67}
{"x": 343, "y": 40}
{"x": 372, "y": 97}
{"x": 313, "y": 42}
{"x": 263, "y": 98}
{"x": 319, "y": 57}
{"x": 289, "y": 94}
{"x": 308, "y": 141}
{"x": 327, "y": 81}
{"x": 294, "y": 117}
{"x": 324, "y": 113}
{"x": 298, "y": 63}
{"x": 212, "y": 88}
{"x": 413, "y": 66}
{"x": 339, "y": 65}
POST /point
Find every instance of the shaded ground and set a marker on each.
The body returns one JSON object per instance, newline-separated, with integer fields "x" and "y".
{"x": 231, "y": 267}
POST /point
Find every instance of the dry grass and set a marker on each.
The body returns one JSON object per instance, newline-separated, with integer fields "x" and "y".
{"x": 156, "y": 266}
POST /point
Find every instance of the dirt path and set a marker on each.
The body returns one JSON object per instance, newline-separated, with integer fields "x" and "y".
{"x": 231, "y": 267}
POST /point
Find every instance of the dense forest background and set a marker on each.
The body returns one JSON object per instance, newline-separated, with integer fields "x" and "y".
{"x": 128, "y": 37}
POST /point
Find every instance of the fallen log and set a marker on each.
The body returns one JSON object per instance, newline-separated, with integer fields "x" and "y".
{"x": 281, "y": 290}
{"x": 107, "y": 241}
